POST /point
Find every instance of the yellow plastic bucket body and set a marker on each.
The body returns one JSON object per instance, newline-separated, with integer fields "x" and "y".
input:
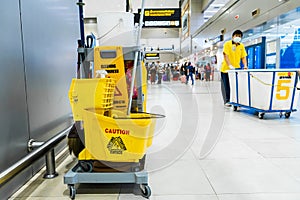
{"x": 91, "y": 93}
{"x": 85, "y": 155}
{"x": 117, "y": 139}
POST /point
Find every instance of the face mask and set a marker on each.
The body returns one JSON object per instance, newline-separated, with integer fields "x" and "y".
{"x": 237, "y": 39}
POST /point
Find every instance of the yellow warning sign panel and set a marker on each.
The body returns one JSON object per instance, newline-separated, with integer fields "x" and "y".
{"x": 110, "y": 59}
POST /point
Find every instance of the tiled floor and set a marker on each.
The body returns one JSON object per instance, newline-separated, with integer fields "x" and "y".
{"x": 252, "y": 159}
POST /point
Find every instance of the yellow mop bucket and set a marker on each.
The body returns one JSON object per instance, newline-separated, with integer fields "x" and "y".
{"x": 119, "y": 139}
{"x": 91, "y": 93}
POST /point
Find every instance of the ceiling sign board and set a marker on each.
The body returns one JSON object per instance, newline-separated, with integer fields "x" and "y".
{"x": 151, "y": 56}
{"x": 161, "y": 18}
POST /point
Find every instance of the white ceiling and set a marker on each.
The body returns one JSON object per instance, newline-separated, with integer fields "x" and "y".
{"x": 213, "y": 8}
{"x": 93, "y": 7}
{"x": 158, "y": 37}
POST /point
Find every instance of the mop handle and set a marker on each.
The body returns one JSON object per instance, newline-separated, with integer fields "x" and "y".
{"x": 136, "y": 57}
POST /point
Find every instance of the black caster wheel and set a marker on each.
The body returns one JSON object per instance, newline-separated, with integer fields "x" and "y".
{"x": 235, "y": 108}
{"x": 86, "y": 166}
{"x": 261, "y": 115}
{"x": 72, "y": 191}
{"x": 146, "y": 191}
{"x": 287, "y": 115}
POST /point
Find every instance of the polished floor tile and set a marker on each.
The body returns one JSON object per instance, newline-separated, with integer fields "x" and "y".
{"x": 183, "y": 177}
{"x": 291, "y": 131}
{"x": 186, "y": 197}
{"x": 258, "y": 132}
{"x": 275, "y": 196}
{"x": 200, "y": 151}
{"x": 291, "y": 166}
{"x": 276, "y": 148}
{"x": 234, "y": 176}
{"x": 232, "y": 149}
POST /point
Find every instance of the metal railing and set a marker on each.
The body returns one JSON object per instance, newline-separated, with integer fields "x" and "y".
{"x": 42, "y": 148}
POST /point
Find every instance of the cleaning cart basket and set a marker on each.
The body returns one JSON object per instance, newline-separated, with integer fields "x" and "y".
{"x": 265, "y": 90}
{"x": 91, "y": 93}
{"x": 119, "y": 138}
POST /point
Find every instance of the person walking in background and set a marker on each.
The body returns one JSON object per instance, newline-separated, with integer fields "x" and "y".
{"x": 168, "y": 73}
{"x": 182, "y": 69}
{"x": 233, "y": 51}
{"x": 202, "y": 72}
{"x": 207, "y": 72}
{"x": 152, "y": 74}
{"x": 185, "y": 69}
{"x": 160, "y": 73}
{"x": 183, "y": 72}
{"x": 190, "y": 71}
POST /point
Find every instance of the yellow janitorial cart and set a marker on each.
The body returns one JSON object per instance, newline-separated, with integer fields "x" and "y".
{"x": 112, "y": 129}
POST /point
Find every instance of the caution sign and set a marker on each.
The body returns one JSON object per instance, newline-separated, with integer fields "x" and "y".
{"x": 117, "y": 92}
{"x": 116, "y": 145}
{"x": 110, "y": 59}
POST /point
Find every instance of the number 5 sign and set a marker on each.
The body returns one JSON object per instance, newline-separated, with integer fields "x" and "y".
{"x": 283, "y": 89}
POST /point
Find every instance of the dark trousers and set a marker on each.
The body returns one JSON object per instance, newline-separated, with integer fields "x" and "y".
{"x": 187, "y": 78}
{"x": 225, "y": 87}
{"x": 207, "y": 76}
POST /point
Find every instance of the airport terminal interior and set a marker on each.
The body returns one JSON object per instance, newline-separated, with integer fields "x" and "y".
{"x": 124, "y": 99}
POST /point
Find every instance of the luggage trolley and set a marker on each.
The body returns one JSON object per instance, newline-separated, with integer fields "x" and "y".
{"x": 265, "y": 91}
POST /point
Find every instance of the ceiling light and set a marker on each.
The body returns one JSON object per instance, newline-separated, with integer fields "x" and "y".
{"x": 217, "y": 5}
{"x": 210, "y": 11}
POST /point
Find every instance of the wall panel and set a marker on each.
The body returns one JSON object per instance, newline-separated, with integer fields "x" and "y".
{"x": 13, "y": 111}
{"x": 38, "y": 58}
{"x": 50, "y": 41}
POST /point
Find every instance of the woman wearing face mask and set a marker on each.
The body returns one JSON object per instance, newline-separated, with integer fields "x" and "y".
{"x": 233, "y": 51}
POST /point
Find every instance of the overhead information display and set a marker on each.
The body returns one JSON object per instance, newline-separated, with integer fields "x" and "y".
{"x": 150, "y": 56}
{"x": 161, "y": 18}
